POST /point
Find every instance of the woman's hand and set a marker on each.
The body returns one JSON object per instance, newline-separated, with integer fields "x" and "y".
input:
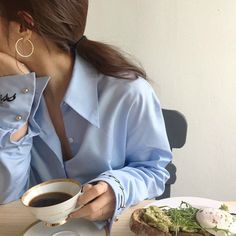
{"x": 10, "y": 66}
{"x": 98, "y": 201}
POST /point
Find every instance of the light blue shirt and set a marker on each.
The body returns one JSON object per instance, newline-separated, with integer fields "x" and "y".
{"x": 115, "y": 128}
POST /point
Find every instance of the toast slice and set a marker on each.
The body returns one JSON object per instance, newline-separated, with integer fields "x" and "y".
{"x": 140, "y": 228}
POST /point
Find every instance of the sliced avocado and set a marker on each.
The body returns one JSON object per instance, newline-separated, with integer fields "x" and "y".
{"x": 157, "y": 218}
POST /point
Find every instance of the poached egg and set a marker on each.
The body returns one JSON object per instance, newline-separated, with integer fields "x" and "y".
{"x": 217, "y": 222}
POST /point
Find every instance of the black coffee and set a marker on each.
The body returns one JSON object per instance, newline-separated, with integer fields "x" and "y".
{"x": 49, "y": 199}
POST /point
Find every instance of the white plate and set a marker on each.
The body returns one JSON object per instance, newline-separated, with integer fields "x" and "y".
{"x": 75, "y": 227}
{"x": 197, "y": 202}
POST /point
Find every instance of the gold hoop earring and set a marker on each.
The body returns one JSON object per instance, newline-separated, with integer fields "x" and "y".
{"x": 19, "y": 53}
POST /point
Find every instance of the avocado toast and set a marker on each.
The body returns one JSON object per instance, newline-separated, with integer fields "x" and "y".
{"x": 165, "y": 221}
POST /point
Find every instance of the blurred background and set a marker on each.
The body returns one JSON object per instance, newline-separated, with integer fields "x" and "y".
{"x": 188, "y": 48}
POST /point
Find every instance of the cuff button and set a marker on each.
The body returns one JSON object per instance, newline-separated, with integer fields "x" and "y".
{"x": 25, "y": 90}
{"x": 18, "y": 117}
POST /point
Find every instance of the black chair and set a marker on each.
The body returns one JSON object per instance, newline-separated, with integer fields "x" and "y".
{"x": 176, "y": 128}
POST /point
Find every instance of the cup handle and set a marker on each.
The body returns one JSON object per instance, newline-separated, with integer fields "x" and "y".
{"x": 78, "y": 206}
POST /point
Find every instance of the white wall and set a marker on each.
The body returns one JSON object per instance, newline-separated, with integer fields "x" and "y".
{"x": 189, "y": 48}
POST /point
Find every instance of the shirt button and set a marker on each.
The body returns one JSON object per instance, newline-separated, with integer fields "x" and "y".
{"x": 18, "y": 117}
{"x": 25, "y": 90}
{"x": 71, "y": 140}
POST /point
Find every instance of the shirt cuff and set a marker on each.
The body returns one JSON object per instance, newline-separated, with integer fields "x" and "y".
{"x": 16, "y": 99}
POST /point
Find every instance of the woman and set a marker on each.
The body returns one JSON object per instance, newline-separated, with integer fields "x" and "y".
{"x": 75, "y": 108}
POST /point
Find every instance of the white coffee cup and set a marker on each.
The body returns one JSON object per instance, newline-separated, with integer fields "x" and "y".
{"x": 57, "y": 214}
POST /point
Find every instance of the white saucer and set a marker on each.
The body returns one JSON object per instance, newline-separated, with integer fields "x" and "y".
{"x": 74, "y": 227}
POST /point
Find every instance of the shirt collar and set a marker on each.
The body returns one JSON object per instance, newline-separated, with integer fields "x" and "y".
{"x": 82, "y": 92}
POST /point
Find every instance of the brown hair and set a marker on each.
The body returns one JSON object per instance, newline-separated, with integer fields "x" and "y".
{"x": 63, "y": 22}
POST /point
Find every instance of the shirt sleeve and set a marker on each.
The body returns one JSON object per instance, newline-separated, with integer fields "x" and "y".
{"x": 18, "y": 100}
{"x": 147, "y": 153}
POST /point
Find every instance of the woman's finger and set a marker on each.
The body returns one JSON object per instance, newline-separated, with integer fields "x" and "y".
{"x": 99, "y": 209}
{"x": 86, "y": 188}
{"x": 92, "y": 192}
{"x": 102, "y": 214}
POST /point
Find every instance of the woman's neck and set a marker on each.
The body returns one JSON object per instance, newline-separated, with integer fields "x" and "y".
{"x": 59, "y": 67}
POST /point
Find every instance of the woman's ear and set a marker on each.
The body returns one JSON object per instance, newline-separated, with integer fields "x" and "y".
{"x": 26, "y": 24}
{"x": 26, "y": 19}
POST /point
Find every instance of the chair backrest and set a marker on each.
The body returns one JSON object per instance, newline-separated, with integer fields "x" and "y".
{"x": 176, "y": 128}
